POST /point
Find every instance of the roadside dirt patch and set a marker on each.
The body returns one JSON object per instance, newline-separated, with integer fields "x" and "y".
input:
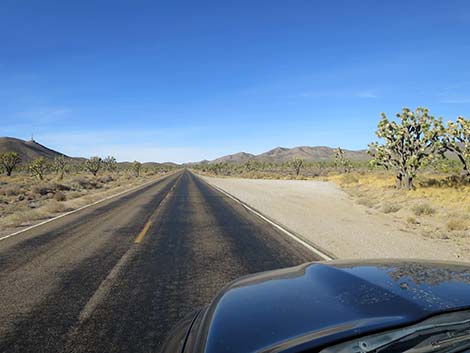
{"x": 328, "y": 217}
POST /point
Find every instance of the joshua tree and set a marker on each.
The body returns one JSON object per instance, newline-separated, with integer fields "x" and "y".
{"x": 409, "y": 143}
{"x": 136, "y": 166}
{"x": 457, "y": 140}
{"x": 110, "y": 164}
{"x": 93, "y": 165}
{"x": 341, "y": 161}
{"x": 61, "y": 166}
{"x": 297, "y": 164}
{"x": 39, "y": 167}
{"x": 9, "y": 161}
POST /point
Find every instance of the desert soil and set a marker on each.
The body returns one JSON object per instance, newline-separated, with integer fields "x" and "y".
{"x": 329, "y": 218}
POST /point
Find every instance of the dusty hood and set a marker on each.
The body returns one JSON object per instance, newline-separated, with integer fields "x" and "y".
{"x": 316, "y": 304}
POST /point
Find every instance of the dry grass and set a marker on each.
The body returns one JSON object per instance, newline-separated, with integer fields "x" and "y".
{"x": 411, "y": 220}
{"x": 438, "y": 204}
{"x": 457, "y": 224}
{"x": 423, "y": 209}
{"x": 54, "y": 206}
{"x": 347, "y": 179}
{"x": 23, "y": 218}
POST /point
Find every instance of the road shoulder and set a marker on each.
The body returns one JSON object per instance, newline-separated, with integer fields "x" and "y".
{"x": 325, "y": 215}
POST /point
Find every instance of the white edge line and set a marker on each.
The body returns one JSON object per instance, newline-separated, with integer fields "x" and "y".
{"x": 282, "y": 229}
{"x": 80, "y": 208}
{"x": 104, "y": 287}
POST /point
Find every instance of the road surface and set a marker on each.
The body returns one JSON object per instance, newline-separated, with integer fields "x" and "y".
{"x": 115, "y": 277}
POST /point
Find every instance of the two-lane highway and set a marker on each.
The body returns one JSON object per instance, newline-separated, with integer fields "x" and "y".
{"x": 117, "y": 276}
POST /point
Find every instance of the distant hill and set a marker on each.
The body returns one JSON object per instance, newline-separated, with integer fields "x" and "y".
{"x": 318, "y": 153}
{"x": 239, "y": 157}
{"x": 27, "y": 150}
{"x": 157, "y": 164}
{"x": 284, "y": 154}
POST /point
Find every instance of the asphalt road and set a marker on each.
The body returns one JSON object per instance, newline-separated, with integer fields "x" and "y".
{"x": 117, "y": 276}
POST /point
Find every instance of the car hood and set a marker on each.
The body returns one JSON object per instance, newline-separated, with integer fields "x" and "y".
{"x": 315, "y": 304}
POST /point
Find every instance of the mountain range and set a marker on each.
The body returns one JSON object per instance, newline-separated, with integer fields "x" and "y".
{"x": 284, "y": 154}
{"x": 29, "y": 150}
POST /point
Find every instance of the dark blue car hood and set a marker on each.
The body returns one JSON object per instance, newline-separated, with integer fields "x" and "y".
{"x": 315, "y": 304}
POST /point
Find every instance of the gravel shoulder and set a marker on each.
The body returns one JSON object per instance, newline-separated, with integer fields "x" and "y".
{"x": 329, "y": 218}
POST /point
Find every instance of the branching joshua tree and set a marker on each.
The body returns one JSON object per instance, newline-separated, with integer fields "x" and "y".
{"x": 93, "y": 165}
{"x": 341, "y": 161}
{"x": 9, "y": 161}
{"x": 136, "y": 167}
{"x": 39, "y": 167}
{"x": 409, "y": 143}
{"x": 110, "y": 164}
{"x": 297, "y": 164}
{"x": 457, "y": 140}
{"x": 60, "y": 166}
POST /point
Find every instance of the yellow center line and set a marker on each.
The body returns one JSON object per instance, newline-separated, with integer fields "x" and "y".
{"x": 149, "y": 222}
{"x": 143, "y": 232}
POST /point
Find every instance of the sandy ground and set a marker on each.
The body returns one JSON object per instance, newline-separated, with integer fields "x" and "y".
{"x": 329, "y": 218}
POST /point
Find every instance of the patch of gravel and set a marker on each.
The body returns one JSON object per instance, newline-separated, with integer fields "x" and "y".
{"x": 325, "y": 215}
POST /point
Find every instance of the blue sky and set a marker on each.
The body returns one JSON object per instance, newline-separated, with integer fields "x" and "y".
{"x": 188, "y": 80}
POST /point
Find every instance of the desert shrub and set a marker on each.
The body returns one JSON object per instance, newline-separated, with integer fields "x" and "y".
{"x": 105, "y": 179}
{"x": 60, "y": 187}
{"x": 59, "y": 196}
{"x": 43, "y": 189}
{"x": 430, "y": 182}
{"x": 411, "y": 220}
{"x": 451, "y": 181}
{"x": 83, "y": 183}
{"x": 390, "y": 207}
{"x": 11, "y": 190}
{"x": 423, "y": 209}
{"x": 457, "y": 224}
